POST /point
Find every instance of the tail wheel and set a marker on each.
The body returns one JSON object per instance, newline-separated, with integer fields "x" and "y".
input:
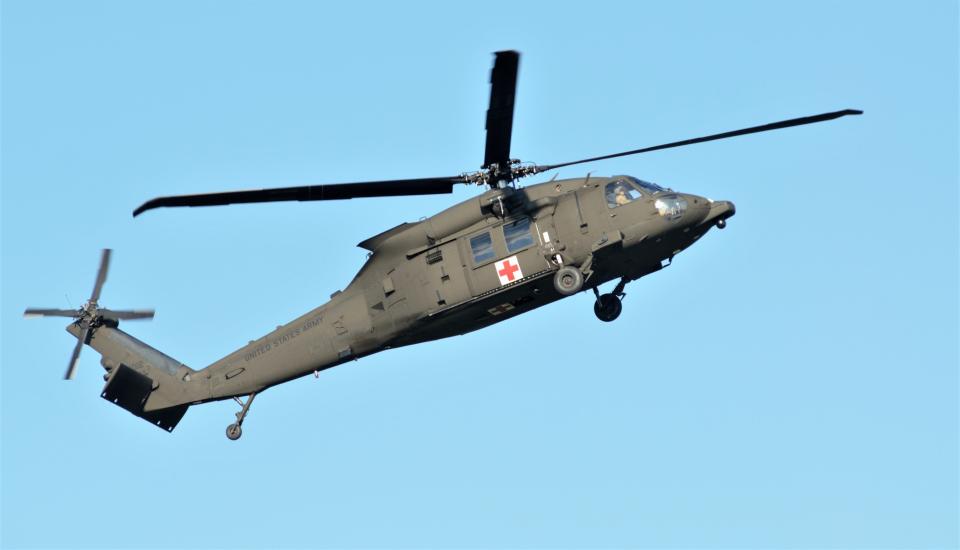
{"x": 568, "y": 280}
{"x": 234, "y": 432}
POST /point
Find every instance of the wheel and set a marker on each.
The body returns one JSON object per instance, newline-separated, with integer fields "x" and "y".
{"x": 607, "y": 307}
{"x": 234, "y": 432}
{"x": 568, "y": 280}
{"x": 721, "y": 224}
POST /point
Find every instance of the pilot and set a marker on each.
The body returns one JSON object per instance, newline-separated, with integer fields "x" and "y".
{"x": 620, "y": 195}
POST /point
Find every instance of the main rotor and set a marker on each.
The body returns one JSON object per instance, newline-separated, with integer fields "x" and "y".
{"x": 498, "y": 169}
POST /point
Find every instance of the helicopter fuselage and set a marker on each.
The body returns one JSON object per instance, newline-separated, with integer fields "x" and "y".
{"x": 477, "y": 263}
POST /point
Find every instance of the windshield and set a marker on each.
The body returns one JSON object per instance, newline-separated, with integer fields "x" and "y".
{"x": 647, "y": 186}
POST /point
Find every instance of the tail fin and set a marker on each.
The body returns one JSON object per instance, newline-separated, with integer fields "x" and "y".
{"x": 141, "y": 379}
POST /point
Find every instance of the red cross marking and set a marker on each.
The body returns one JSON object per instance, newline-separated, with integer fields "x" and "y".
{"x": 508, "y": 270}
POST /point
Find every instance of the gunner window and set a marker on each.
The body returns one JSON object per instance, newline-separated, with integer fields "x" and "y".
{"x": 517, "y": 234}
{"x": 482, "y": 246}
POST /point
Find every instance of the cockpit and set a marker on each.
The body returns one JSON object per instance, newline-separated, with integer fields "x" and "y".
{"x": 626, "y": 189}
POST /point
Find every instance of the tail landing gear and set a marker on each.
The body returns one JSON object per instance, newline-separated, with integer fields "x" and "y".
{"x": 233, "y": 430}
{"x": 608, "y": 306}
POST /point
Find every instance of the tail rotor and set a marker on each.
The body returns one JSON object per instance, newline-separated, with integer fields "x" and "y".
{"x": 90, "y": 317}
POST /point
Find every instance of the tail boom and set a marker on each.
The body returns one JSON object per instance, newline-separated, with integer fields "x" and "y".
{"x": 140, "y": 378}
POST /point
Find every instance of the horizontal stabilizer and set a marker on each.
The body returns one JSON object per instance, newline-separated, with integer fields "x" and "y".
{"x": 129, "y": 389}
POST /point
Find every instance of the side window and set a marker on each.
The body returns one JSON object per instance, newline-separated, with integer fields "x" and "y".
{"x": 482, "y": 246}
{"x": 517, "y": 234}
{"x": 619, "y": 193}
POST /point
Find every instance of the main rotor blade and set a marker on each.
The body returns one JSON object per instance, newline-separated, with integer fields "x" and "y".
{"x": 101, "y": 275}
{"x": 337, "y": 191}
{"x": 752, "y": 130}
{"x": 503, "y": 88}
{"x": 38, "y": 312}
{"x": 72, "y": 367}
{"x": 126, "y": 314}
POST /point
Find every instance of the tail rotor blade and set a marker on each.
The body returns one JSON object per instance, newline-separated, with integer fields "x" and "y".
{"x": 38, "y": 312}
{"x": 127, "y": 314}
{"x": 101, "y": 274}
{"x": 72, "y": 367}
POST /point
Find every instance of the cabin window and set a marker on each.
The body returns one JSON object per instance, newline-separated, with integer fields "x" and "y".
{"x": 482, "y": 246}
{"x": 619, "y": 193}
{"x": 517, "y": 234}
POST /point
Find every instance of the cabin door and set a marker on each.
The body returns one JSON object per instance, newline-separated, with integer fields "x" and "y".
{"x": 502, "y": 255}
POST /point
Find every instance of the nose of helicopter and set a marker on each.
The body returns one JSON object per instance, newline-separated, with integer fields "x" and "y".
{"x": 718, "y": 212}
{"x": 695, "y": 217}
{"x": 702, "y": 211}
{"x": 698, "y": 208}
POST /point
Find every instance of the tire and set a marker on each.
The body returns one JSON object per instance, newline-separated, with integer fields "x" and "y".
{"x": 568, "y": 280}
{"x": 234, "y": 432}
{"x": 607, "y": 307}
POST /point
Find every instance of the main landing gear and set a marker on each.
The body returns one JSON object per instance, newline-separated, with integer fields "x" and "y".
{"x": 608, "y": 306}
{"x": 233, "y": 430}
{"x": 568, "y": 280}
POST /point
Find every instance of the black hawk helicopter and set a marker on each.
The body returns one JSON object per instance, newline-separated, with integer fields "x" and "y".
{"x": 508, "y": 251}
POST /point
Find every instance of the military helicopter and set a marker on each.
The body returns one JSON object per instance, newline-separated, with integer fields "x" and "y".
{"x": 508, "y": 251}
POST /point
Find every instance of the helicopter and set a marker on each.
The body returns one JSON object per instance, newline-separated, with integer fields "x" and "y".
{"x": 506, "y": 252}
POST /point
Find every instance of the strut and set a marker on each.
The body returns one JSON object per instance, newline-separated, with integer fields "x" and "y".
{"x": 233, "y": 430}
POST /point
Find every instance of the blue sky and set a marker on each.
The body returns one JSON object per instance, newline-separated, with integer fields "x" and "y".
{"x": 789, "y": 382}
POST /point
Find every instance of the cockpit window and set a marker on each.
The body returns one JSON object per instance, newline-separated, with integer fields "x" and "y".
{"x": 620, "y": 192}
{"x": 650, "y": 188}
{"x": 671, "y": 207}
